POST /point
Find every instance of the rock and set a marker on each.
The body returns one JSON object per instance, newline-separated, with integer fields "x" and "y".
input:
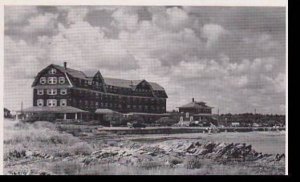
{"x": 28, "y": 153}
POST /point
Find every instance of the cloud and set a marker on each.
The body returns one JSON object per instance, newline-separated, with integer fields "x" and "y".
{"x": 18, "y": 14}
{"x": 85, "y": 46}
{"x": 41, "y": 23}
{"x": 125, "y": 20}
{"x": 200, "y": 52}
{"x": 74, "y": 13}
{"x": 174, "y": 19}
{"x": 212, "y": 32}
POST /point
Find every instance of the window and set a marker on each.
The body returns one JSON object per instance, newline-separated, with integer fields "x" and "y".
{"x": 52, "y": 71}
{"x": 43, "y": 80}
{"x": 90, "y": 82}
{"x": 52, "y": 91}
{"x": 40, "y": 92}
{"x": 63, "y": 102}
{"x": 191, "y": 118}
{"x": 63, "y": 91}
{"x": 62, "y": 80}
{"x": 40, "y": 102}
{"x": 51, "y": 102}
{"x": 52, "y": 80}
{"x": 128, "y": 106}
{"x": 187, "y": 115}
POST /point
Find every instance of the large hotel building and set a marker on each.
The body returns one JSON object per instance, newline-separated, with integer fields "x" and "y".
{"x": 68, "y": 91}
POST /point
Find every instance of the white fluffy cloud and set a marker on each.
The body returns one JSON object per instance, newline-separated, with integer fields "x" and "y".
{"x": 41, "y": 23}
{"x": 212, "y": 32}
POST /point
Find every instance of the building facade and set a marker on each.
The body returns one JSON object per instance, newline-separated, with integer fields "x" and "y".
{"x": 195, "y": 112}
{"x": 60, "y": 86}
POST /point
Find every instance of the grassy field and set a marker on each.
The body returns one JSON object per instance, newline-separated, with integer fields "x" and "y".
{"x": 40, "y": 148}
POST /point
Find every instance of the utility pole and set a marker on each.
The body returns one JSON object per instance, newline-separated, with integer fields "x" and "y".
{"x": 254, "y": 115}
{"x": 21, "y": 107}
{"x": 218, "y": 116}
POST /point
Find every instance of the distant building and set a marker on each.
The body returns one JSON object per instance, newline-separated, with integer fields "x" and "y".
{"x": 7, "y": 113}
{"x": 195, "y": 111}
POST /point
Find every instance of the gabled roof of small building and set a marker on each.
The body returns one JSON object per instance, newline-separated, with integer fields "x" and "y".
{"x": 201, "y": 105}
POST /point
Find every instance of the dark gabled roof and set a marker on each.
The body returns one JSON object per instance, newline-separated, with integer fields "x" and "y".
{"x": 109, "y": 81}
{"x": 200, "y": 105}
{"x": 72, "y": 72}
{"x": 129, "y": 83}
{"x": 5, "y": 109}
{"x": 120, "y": 82}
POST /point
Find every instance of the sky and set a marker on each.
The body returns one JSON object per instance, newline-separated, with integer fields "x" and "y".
{"x": 232, "y": 58}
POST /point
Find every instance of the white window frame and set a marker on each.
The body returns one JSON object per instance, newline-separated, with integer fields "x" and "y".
{"x": 51, "y": 102}
{"x": 52, "y": 71}
{"x": 61, "y": 80}
{"x": 63, "y": 101}
{"x": 63, "y": 91}
{"x": 52, "y": 80}
{"x": 51, "y": 91}
{"x": 40, "y": 91}
{"x": 43, "y": 80}
{"x": 40, "y": 101}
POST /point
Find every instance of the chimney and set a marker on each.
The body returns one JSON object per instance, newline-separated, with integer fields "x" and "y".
{"x": 65, "y": 65}
{"x": 193, "y": 99}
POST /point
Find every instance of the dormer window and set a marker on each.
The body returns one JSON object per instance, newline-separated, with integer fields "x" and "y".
{"x": 52, "y": 80}
{"x": 52, "y": 71}
{"x": 62, "y": 80}
{"x": 43, "y": 80}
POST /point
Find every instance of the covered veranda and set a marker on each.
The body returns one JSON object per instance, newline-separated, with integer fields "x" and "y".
{"x": 61, "y": 112}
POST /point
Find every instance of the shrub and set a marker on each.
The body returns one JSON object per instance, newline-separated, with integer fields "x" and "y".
{"x": 175, "y": 161}
{"x": 193, "y": 163}
{"x": 44, "y": 124}
{"x": 82, "y": 148}
{"x": 166, "y": 121}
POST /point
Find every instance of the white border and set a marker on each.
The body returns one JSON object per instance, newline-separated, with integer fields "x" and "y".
{"x": 271, "y": 3}
{"x": 151, "y": 2}
{"x": 286, "y": 91}
{"x": 1, "y": 84}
